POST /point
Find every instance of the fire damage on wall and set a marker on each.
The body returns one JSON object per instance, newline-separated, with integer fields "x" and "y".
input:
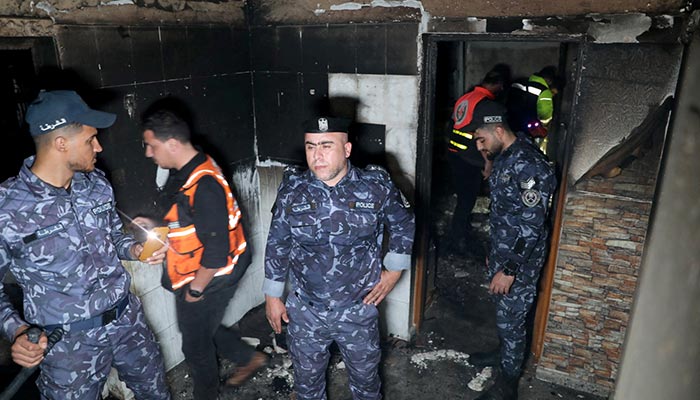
{"x": 607, "y": 203}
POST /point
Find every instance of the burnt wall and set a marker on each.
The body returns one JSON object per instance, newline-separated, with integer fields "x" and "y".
{"x": 605, "y": 220}
{"x": 291, "y": 66}
{"x": 124, "y": 69}
{"x": 620, "y": 83}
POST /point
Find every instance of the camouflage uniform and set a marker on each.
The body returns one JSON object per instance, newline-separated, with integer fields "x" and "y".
{"x": 330, "y": 238}
{"x": 62, "y": 246}
{"x": 522, "y": 184}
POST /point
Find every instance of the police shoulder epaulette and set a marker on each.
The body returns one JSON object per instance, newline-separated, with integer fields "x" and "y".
{"x": 99, "y": 172}
{"x": 377, "y": 170}
{"x": 291, "y": 171}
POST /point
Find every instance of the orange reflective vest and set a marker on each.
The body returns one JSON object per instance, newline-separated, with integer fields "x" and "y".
{"x": 185, "y": 252}
{"x": 462, "y": 114}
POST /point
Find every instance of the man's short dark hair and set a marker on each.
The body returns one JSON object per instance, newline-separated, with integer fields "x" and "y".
{"x": 70, "y": 129}
{"x": 498, "y": 75}
{"x": 166, "y": 124}
{"x": 548, "y": 73}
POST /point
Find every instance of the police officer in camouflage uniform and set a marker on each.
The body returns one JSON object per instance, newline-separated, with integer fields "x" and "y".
{"x": 522, "y": 184}
{"x": 326, "y": 234}
{"x": 62, "y": 239}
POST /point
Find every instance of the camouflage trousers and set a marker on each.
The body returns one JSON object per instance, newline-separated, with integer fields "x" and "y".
{"x": 356, "y": 332}
{"x": 511, "y": 316}
{"x": 78, "y": 365}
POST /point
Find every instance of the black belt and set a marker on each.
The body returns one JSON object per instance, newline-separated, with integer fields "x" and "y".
{"x": 96, "y": 321}
{"x": 323, "y": 307}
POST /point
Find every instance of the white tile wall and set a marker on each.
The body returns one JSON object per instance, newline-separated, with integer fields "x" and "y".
{"x": 390, "y": 100}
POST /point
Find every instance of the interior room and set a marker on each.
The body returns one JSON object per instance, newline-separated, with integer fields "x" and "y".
{"x": 615, "y": 315}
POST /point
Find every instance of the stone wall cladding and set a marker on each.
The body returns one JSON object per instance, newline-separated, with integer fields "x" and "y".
{"x": 602, "y": 241}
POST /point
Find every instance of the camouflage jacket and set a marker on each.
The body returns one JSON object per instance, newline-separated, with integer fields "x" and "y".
{"x": 62, "y": 246}
{"x": 522, "y": 184}
{"x": 331, "y": 237}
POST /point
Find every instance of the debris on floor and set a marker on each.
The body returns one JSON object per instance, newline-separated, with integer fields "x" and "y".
{"x": 421, "y": 360}
{"x": 478, "y": 382}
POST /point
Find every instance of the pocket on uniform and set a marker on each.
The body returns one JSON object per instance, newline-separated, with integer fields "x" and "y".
{"x": 353, "y": 227}
{"x": 303, "y": 226}
{"x": 304, "y": 233}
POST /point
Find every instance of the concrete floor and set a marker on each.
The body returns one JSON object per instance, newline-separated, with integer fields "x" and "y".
{"x": 434, "y": 365}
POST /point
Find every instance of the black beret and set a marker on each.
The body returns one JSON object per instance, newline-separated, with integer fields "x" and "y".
{"x": 326, "y": 124}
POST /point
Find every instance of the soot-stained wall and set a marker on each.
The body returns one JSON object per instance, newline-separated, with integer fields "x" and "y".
{"x": 125, "y": 69}
{"x": 291, "y": 66}
{"x": 605, "y": 220}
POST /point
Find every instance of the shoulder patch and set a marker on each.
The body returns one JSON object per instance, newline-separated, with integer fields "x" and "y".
{"x": 528, "y": 183}
{"x": 530, "y": 197}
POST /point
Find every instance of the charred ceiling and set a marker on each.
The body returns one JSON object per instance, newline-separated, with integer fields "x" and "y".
{"x": 286, "y": 12}
{"x": 132, "y": 12}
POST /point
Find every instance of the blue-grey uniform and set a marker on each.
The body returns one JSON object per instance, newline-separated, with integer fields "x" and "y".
{"x": 522, "y": 184}
{"x": 63, "y": 248}
{"x": 330, "y": 239}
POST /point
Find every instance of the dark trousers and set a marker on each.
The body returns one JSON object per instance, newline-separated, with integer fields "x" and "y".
{"x": 466, "y": 179}
{"x": 511, "y": 317}
{"x": 203, "y": 336}
{"x": 356, "y": 332}
{"x": 78, "y": 366}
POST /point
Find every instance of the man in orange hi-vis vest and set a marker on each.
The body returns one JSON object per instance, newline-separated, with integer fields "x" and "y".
{"x": 206, "y": 256}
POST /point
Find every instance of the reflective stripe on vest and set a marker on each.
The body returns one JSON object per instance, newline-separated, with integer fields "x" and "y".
{"x": 185, "y": 250}
{"x": 528, "y": 88}
{"x": 458, "y": 145}
{"x": 463, "y": 134}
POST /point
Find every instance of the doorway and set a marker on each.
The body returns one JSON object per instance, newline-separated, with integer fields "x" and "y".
{"x": 16, "y": 77}
{"x": 453, "y": 65}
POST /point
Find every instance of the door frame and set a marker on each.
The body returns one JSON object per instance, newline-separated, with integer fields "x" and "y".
{"x": 424, "y": 170}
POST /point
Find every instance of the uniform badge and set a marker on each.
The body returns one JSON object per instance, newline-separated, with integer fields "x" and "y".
{"x": 323, "y": 124}
{"x": 101, "y": 208}
{"x": 461, "y": 112}
{"x": 528, "y": 184}
{"x": 363, "y": 205}
{"x": 43, "y": 232}
{"x": 300, "y": 208}
{"x": 530, "y": 197}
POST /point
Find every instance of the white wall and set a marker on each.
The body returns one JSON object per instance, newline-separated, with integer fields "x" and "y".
{"x": 246, "y": 183}
{"x": 390, "y": 100}
{"x": 159, "y": 304}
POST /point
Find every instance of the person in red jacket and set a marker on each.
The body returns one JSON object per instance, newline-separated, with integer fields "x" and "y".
{"x": 468, "y": 166}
